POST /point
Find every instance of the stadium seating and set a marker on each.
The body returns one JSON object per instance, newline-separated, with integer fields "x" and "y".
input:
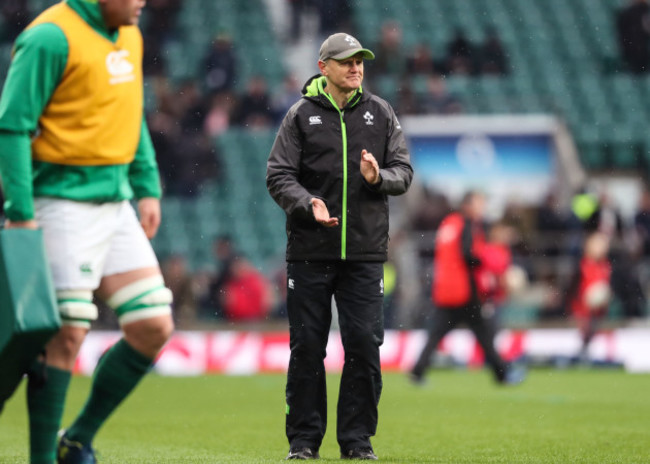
{"x": 247, "y": 24}
{"x": 237, "y": 205}
{"x": 560, "y": 58}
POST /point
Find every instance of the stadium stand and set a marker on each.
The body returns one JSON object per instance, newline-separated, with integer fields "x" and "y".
{"x": 561, "y": 55}
{"x": 238, "y": 206}
{"x": 563, "y": 59}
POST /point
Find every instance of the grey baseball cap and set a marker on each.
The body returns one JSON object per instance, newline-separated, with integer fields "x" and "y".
{"x": 340, "y": 46}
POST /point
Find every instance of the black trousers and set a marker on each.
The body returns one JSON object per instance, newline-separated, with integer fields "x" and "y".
{"x": 446, "y": 319}
{"x": 358, "y": 290}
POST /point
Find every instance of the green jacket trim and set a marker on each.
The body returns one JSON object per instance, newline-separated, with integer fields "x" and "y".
{"x": 315, "y": 88}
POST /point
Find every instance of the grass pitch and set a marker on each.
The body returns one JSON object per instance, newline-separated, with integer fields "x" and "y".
{"x": 574, "y": 416}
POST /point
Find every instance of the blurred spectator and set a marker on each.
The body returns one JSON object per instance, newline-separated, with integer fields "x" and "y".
{"x": 195, "y": 161}
{"x": 390, "y": 57}
{"x": 552, "y": 305}
{"x": 160, "y": 23}
{"x": 642, "y": 222}
{"x": 285, "y": 98}
{"x": 549, "y": 218}
{"x": 633, "y": 27}
{"x": 421, "y": 61}
{"x": 522, "y": 221}
{"x": 333, "y": 15}
{"x": 224, "y": 253}
{"x": 190, "y": 107}
{"x": 495, "y": 257}
{"x": 606, "y": 219}
{"x": 430, "y": 211}
{"x": 583, "y": 205}
{"x": 437, "y": 100}
{"x": 550, "y": 224}
{"x": 494, "y": 59}
{"x": 186, "y": 156}
{"x": 254, "y": 108}
{"x": 15, "y": 17}
{"x": 179, "y": 280}
{"x": 246, "y": 293}
{"x": 589, "y": 292}
{"x": 626, "y": 279}
{"x": 460, "y": 54}
{"x": 217, "y": 121}
{"x": 407, "y": 101}
{"x": 161, "y": 19}
{"x": 163, "y": 134}
{"x": 220, "y": 65}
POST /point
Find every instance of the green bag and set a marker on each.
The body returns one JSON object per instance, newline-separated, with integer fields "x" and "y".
{"x": 29, "y": 315}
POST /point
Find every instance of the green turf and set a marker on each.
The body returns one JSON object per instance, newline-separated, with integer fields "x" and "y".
{"x": 461, "y": 417}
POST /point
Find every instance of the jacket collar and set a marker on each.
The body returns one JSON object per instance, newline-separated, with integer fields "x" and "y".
{"x": 90, "y": 12}
{"x": 314, "y": 90}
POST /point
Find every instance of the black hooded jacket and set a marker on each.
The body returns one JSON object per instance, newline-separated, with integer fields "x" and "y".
{"x": 317, "y": 153}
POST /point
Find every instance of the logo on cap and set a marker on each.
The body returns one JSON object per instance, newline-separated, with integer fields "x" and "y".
{"x": 349, "y": 39}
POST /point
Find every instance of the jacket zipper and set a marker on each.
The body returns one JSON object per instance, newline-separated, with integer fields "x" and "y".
{"x": 344, "y": 213}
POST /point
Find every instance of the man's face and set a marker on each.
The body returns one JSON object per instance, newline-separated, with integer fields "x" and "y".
{"x": 345, "y": 74}
{"x": 118, "y": 13}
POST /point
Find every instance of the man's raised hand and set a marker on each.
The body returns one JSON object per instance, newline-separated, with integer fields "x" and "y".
{"x": 369, "y": 167}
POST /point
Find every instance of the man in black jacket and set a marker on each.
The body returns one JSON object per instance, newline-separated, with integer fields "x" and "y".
{"x": 338, "y": 154}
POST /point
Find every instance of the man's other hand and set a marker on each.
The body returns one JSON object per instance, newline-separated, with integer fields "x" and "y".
{"x": 321, "y": 214}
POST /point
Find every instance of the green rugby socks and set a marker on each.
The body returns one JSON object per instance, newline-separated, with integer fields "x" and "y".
{"x": 116, "y": 375}
{"x": 45, "y": 400}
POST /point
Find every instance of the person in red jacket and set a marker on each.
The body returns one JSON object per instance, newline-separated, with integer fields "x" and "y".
{"x": 455, "y": 293}
{"x": 247, "y": 294}
{"x": 590, "y": 293}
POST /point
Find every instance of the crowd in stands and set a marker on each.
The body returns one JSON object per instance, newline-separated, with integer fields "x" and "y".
{"x": 633, "y": 28}
{"x": 188, "y": 116}
{"x": 461, "y": 58}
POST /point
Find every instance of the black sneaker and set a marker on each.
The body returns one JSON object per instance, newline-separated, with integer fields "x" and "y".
{"x": 302, "y": 453}
{"x": 365, "y": 454}
{"x": 72, "y": 452}
{"x": 417, "y": 378}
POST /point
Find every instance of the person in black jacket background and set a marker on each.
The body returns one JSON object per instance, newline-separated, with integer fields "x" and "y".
{"x": 339, "y": 153}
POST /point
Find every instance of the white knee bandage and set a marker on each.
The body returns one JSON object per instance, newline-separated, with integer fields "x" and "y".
{"x": 142, "y": 299}
{"x": 76, "y": 304}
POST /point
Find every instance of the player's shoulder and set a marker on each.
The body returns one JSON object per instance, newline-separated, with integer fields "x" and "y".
{"x": 43, "y": 38}
{"x": 381, "y": 104}
{"x": 300, "y": 106}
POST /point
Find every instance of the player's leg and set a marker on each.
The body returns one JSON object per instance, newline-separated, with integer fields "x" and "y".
{"x": 48, "y": 380}
{"x": 309, "y": 307}
{"x": 485, "y": 334}
{"x": 133, "y": 286}
{"x": 587, "y": 329}
{"x": 73, "y": 246}
{"x": 142, "y": 303}
{"x": 442, "y": 322}
{"x": 359, "y": 299}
